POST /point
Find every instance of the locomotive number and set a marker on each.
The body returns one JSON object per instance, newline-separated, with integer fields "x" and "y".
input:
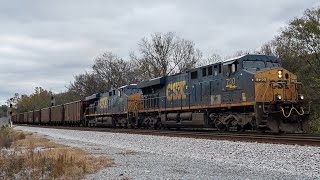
{"x": 175, "y": 90}
{"x": 231, "y": 83}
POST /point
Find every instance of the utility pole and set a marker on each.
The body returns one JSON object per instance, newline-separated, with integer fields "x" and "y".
{"x": 53, "y": 101}
{"x": 9, "y": 114}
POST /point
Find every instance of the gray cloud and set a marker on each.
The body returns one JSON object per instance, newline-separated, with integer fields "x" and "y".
{"x": 46, "y": 43}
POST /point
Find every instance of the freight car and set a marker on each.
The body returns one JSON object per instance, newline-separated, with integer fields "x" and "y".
{"x": 36, "y": 116}
{"x": 71, "y": 114}
{"x": 45, "y": 116}
{"x": 57, "y": 115}
{"x": 246, "y": 92}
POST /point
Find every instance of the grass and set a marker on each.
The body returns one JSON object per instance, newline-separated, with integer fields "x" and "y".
{"x": 27, "y": 156}
{"x": 315, "y": 124}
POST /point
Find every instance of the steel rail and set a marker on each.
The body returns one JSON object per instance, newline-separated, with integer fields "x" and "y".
{"x": 292, "y": 139}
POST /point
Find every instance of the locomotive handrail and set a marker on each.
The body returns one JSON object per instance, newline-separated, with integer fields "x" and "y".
{"x": 264, "y": 95}
{"x": 292, "y": 108}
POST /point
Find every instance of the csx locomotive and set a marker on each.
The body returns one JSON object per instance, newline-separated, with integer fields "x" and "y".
{"x": 246, "y": 92}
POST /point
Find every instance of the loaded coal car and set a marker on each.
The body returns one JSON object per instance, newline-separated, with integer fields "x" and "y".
{"x": 36, "y": 117}
{"x": 30, "y": 117}
{"x": 45, "y": 116}
{"x": 25, "y": 117}
{"x": 57, "y": 115}
{"x": 112, "y": 108}
{"x": 14, "y": 119}
{"x": 246, "y": 92}
{"x": 21, "y": 118}
{"x": 74, "y": 112}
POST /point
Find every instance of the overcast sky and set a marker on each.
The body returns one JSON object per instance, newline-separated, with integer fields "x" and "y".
{"x": 46, "y": 43}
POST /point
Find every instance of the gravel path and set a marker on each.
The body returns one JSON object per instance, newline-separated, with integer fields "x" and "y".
{"x": 157, "y": 157}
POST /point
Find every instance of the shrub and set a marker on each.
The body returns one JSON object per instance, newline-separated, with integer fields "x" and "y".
{"x": 315, "y": 124}
{"x": 6, "y": 137}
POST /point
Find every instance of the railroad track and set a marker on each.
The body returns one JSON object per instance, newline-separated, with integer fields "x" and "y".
{"x": 295, "y": 139}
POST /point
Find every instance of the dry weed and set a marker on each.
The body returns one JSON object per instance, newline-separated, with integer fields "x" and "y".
{"x": 35, "y": 157}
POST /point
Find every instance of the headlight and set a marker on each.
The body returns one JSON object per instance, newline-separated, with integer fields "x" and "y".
{"x": 279, "y": 74}
{"x": 279, "y": 97}
{"x": 301, "y": 97}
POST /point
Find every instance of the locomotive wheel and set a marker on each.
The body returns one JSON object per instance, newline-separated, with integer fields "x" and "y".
{"x": 114, "y": 123}
{"x": 159, "y": 126}
{"x": 220, "y": 126}
{"x": 240, "y": 128}
{"x": 260, "y": 130}
{"x": 223, "y": 128}
{"x": 233, "y": 125}
{"x": 153, "y": 125}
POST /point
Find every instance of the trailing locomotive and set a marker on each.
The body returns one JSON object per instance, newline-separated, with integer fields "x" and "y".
{"x": 246, "y": 92}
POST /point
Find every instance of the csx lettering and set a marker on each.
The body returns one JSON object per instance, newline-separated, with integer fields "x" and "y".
{"x": 103, "y": 102}
{"x": 175, "y": 90}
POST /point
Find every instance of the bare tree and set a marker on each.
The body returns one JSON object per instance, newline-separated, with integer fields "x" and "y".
{"x": 165, "y": 54}
{"x": 114, "y": 71}
{"x": 14, "y": 100}
{"x": 213, "y": 58}
{"x": 185, "y": 56}
{"x": 241, "y": 53}
{"x": 269, "y": 48}
{"x": 87, "y": 84}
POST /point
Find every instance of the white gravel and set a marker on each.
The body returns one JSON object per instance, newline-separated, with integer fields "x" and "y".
{"x": 157, "y": 157}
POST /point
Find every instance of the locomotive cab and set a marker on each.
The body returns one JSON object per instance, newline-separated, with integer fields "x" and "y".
{"x": 274, "y": 92}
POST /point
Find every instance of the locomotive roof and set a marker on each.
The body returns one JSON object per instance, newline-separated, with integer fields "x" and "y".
{"x": 129, "y": 85}
{"x": 251, "y": 57}
{"x": 233, "y": 59}
{"x": 152, "y": 82}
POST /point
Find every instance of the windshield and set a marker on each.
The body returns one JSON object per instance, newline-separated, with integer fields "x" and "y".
{"x": 271, "y": 64}
{"x": 253, "y": 64}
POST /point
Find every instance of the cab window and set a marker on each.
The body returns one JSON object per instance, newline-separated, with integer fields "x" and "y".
{"x": 194, "y": 75}
{"x": 209, "y": 70}
{"x": 204, "y": 72}
{"x": 230, "y": 68}
{"x": 271, "y": 64}
{"x": 253, "y": 64}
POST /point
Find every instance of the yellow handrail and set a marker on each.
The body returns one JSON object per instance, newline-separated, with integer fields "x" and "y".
{"x": 292, "y": 108}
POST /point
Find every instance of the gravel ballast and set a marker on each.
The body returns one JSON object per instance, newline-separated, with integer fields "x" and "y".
{"x": 159, "y": 157}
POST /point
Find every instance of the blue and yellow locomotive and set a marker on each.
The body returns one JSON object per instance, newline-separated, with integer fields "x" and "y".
{"x": 246, "y": 92}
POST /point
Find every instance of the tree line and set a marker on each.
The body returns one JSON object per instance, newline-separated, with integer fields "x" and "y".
{"x": 297, "y": 46}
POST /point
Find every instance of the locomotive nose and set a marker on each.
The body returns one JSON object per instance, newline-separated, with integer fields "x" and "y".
{"x": 275, "y": 85}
